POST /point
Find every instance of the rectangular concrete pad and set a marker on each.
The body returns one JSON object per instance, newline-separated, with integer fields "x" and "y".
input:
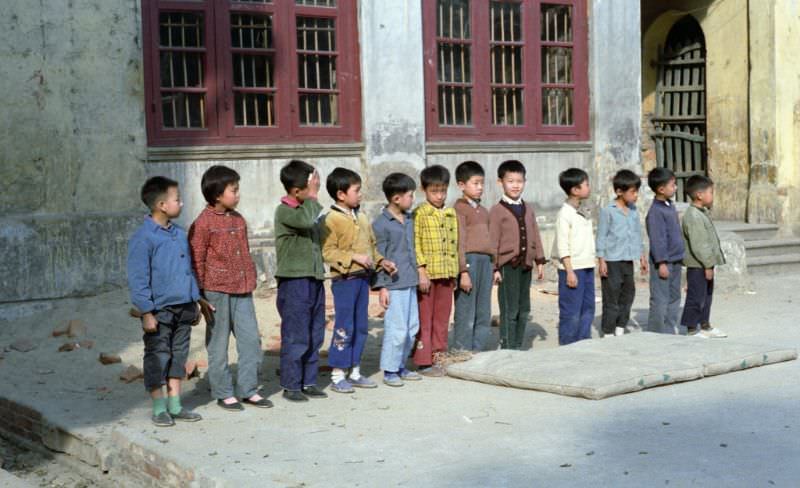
{"x": 600, "y": 368}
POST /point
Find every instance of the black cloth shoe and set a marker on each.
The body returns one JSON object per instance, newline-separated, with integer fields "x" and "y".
{"x": 233, "y": 407}
{"x": 314, "y": 392}
{"x": 163, "y": 420}
{"x": 294, "y": 396}
{"x": 263, "y": 403}
{"x": 186, "y": 416}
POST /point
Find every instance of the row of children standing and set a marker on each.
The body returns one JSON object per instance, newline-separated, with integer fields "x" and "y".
{"x": 420, "y": 261}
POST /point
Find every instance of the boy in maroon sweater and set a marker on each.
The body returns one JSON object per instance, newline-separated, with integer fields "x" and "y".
{"x": 227, "y": 277}
{"x": 518, "y": 246}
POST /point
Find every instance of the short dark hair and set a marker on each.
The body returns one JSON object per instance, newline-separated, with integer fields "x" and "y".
{"x": 697, "y": 183}
{"x": 341, "y": 179}
{"x": 510, "y": 166}
{"x": 658, "y": 177}
{"x": 295, "y": 174}
{"x": 626, "y": 179}
{"x": 397, "y": 184}
{"x": 434, "y": 175}
{"x": 467, "y": 170}
{"x": 215, "y": 180}
{"x": 155, "y": 188}
{"x": 570, "y": 178}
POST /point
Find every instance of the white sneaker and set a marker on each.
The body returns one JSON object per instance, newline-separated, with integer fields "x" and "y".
{"x": 619, "y": 331}
{"x": 713, "y": 333}
{"x": 698, "y": 333}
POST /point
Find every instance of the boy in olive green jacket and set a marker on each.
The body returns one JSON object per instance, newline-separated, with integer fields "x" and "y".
{"x": 703, "y": 253}
{"x": 300, "y": 274}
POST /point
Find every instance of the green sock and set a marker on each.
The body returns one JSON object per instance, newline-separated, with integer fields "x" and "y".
{"x": 174, "y": 404}
{"x": 159, "y": 405}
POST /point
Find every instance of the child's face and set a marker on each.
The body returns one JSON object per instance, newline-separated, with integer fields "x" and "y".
{"x": 350, "y": 198}
{"x": 667, "y": 190}
{"x": 705, "y": 197}
{"x": 473, "y": 187}
{"x": 436, "y": 194}
{"x": 628, "y": 196}
{"x": 513, "y": 184}
{"x": 404, "y": 201}
{"x": 229, "y": 199}
{"x": 171, "y": 203}
{"x": 581, "y": 191}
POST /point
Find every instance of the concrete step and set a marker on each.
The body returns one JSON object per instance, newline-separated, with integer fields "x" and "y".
{"x": 772, "y": 247}
{"x": 781, "y": 264}
{"x": 749, "y": 232}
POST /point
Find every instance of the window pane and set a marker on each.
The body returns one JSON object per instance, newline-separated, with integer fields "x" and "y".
{"x": 504, "y": 23}
{"x": 319, "y": 109}
{"x": 556, "y": 65}
{"x": 556, "y": 23}
{"x": 254, "y": 71}
{"x": 181, "y": 69}
{"x": 183, "y": 110}
{"x": 455, "y": 105}
{"x": 316, "y": 34}
{"x": 507, "y": 106}
{"x": 506, "y": 64}
{"x": 251, "y": 31}
{"x": 454, "y": 63}
{"x": 180, "y": 29}
{"x": 557, "y": 106}
{"x": 254, "y": 109}
{"x": 452, "y": 19}
{"x": 316, "y": 3}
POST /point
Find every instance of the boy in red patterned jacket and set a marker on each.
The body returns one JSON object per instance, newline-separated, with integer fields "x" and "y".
{"x": 227, "y": 277}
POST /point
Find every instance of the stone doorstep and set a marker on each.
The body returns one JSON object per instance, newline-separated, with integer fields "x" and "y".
{"x": 94, "y": 458}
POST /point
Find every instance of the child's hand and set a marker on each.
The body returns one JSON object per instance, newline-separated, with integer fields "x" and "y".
{"x": 663, "y": 271}
{"x": 603, "y": 268}
{"x": 383, "y": 298}
{"x": 313, "y": 185}
{"x": 498, "y": 278}
{"x": 149, "y": 323}
{"x": 465, "y": 283}
{"x": 206, "y": 310}
{"x": 572, "y": 279}
{"x": 644, "y": 265}
{"x": 540, "y": 272}
{"x": 363, "y": 260}
{"x": 424, "y": 282}
{"x": 709, "y": 274}
{"x": 389, "y": 266}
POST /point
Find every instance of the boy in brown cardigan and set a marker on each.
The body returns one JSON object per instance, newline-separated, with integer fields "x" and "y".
{"x": 518, "y": 245}
{"x": 473, "y": 297}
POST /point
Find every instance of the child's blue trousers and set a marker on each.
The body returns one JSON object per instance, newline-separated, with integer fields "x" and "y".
{"x": 400, "y": 327}
{"x": 575, "y": 307}
{"x": 301, "y": 304}
{"x": 351, "y": 305}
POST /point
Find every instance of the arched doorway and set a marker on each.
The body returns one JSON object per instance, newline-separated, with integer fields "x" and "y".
{"x": 679, "y": 122}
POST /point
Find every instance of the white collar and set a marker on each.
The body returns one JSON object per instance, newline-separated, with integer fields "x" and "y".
{"x": 510, "y": 200}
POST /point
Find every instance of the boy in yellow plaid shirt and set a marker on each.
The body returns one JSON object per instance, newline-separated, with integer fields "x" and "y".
{"x": 436, "y": 242}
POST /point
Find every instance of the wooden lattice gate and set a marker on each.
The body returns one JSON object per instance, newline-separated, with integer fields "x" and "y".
{"x": 679, "y": 123}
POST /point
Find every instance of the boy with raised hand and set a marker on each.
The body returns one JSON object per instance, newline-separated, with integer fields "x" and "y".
{"x": 703, "y": 254}
{"x": 394, "y": 235}
{"x": 666, "y": 254}
{"x": 619, "y": 246}
{"x": 348, "y": 246}
{"x": 164, "y": 289}
{"x": 517, "y": 244}
{"x": 436, "y": 244}
{"x": 300, "y": 274}
{"x": 574, "y": 249}
{"x": 227, "y": 277}
{"x": 473, "y": 297}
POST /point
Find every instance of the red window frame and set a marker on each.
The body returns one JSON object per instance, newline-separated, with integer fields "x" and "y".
{"x": 533, "y": 128}
{"x": 218, "y": 75}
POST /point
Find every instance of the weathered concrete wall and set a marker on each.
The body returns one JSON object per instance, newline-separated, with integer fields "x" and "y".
{"x": 392, "y": 83}
{"x": 775, "y": 115}
{"x": 72, "y": 134}
{"x": 724, "y": 24}
{"x": 615, "y": 90}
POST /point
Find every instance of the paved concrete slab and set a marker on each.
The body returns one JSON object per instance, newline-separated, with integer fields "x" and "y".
{"x": 597, "y": 369}
{"x": 8, "y": 480}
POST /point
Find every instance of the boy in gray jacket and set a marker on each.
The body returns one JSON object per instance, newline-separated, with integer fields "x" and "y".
{"x": 703, "y": 253}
